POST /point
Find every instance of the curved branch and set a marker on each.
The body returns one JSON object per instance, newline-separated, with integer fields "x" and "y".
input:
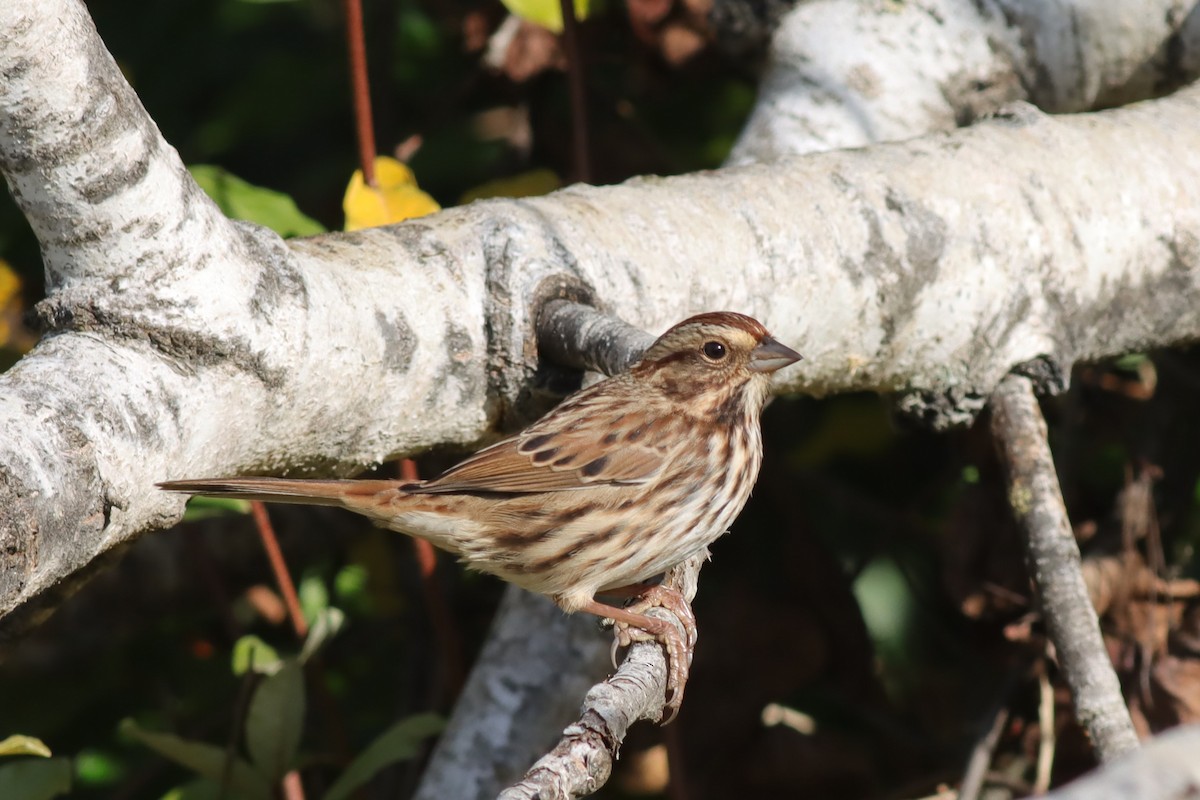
{"x": 842, "y": 74}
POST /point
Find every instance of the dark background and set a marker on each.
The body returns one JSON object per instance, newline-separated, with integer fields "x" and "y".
{"x": 874, "y": 584}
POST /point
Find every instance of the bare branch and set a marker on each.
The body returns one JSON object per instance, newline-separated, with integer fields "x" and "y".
{"x": 579, "y": 336}
{"x": 1054, "y": 560}
{"x": 922, "y": 268}
{"x": 981, "y": 756}
{"x": 582, "y": 761}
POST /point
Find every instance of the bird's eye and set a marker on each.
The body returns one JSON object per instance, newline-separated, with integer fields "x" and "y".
{"x": 714, "y": 350}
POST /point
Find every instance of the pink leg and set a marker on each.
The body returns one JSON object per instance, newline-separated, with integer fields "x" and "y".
{"x": 632, "y": 625}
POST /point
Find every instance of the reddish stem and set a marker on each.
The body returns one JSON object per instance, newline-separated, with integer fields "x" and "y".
{"x": 279, "y": 567}
{"x": 440, "y": 618}
{"x": 360, "y": 89}
{"x": 578, "y": 91}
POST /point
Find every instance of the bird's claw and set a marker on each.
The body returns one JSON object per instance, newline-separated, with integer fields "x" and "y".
{"x": 679, "y": 647}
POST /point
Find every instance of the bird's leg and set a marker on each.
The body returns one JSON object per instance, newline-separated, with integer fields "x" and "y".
{"x": 662, "y": 595}
{"x": 633, "y": 625}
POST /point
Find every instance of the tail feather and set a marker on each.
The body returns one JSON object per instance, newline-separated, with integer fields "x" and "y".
{"x": 341, "y": 493}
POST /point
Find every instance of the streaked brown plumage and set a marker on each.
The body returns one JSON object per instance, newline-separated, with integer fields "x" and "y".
{"x": 619, "y": 483}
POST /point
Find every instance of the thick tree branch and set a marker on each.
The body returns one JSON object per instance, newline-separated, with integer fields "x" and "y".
{"x": 181, "y": 344}
{"x": 1165, "y": 769}
{"x": 1054, "y": 561}
{"x": 844, "y": 74}
{"x": 915, "y": 268}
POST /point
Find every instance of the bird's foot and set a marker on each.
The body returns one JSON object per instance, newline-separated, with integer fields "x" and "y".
{"x": 632, "y": 624}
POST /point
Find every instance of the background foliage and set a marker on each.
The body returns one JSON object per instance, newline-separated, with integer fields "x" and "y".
{"x": 872, "y": 597}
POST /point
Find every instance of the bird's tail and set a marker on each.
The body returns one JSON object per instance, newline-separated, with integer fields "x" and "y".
{"x": 346, "y": 494}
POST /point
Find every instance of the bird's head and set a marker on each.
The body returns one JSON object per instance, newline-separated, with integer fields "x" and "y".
{"x": 718, "y": 354}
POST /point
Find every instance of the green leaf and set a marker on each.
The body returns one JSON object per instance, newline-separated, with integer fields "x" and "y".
{"x": 350, "y": 584}
{"x": 35, "y": 779}
{"x": 314, "y": 597}
{"x": 206, "y": 507}
{"x": 95, "y": 768}
{"x": 1131, "y": 361}
{"x": 275, "y": 721}
{"x": 242, "y": 200}
{"x": 252, "y": 653}
{"x": 324, "y": 628}
{"x": 18, "y": 745}
{"x": 206, "y": 759}
{"x": 397, "y": 743}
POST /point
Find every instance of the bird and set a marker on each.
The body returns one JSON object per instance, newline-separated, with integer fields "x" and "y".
{"x": 618, "y": 484}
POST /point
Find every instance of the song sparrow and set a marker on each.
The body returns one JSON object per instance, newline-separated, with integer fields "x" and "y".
{"x": 619, "y": 483}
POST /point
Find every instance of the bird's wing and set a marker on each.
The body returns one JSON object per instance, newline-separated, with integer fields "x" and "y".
{"x": 588, "y": 441}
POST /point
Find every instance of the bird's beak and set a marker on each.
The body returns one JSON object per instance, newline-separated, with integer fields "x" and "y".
{"x": 770, "y": 355}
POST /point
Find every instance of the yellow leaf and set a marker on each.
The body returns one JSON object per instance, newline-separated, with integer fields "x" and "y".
{"x": 396, "y": 198}
{"x": 527, "y": 184}
{"x": 10, "y": 283}
{"x": 547, "y": 13}
{"x": 13, "y": 333}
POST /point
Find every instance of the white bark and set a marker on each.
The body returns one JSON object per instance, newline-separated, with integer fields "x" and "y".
{"x": 844, "y": 73}
{"x": 184, "y": 344}
{"x": 1166, "y": 768}
{"x": 181, "y": 344}
{"x": 919, "y": 268}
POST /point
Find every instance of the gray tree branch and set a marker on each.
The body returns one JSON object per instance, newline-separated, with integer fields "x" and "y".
{"x": 179, "y": 343}
{"x": 1054, "y": 563}
{"x": 582, "y": 760}
{"x": 842, "y": 73}
{"x": 916, "y": 268}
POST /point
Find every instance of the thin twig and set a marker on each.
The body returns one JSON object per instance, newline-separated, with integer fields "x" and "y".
{"x": 1049, "y": 737}
{"x": 364, "y": 124}
{"x": 293, "y": 789}
{"x": 578, "y": 91}
{"x": 580, "y": 336}
{"x": 1054, "y": 562}
{"x": 582, "y": 761}
{"x": 981, "y": 755}
{"x": 278, "y": 566}
{"x": 442, "y": 621}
